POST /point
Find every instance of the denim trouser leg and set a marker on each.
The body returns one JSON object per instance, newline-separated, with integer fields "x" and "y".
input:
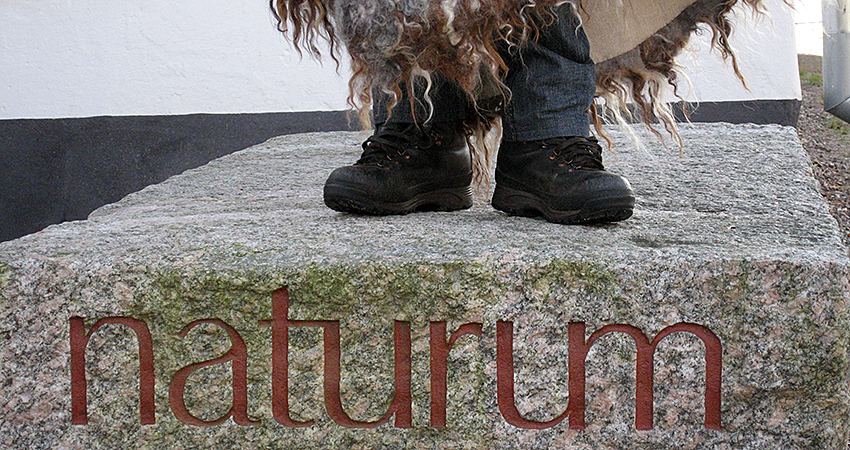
{"x": 552, "y": 83}
{"x": 448, "y": 101}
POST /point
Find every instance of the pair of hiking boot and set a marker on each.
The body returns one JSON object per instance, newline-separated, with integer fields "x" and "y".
{"x": 406, "y": 168}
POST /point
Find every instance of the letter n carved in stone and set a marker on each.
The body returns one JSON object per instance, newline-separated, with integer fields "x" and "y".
{"x": 80, "y": 339}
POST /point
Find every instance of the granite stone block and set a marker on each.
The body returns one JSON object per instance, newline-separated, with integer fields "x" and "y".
{"x": 228, "y": 308}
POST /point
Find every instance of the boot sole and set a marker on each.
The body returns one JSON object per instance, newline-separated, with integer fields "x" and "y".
{"x": 613, "y": 208}
{"x": 346, "y": 199}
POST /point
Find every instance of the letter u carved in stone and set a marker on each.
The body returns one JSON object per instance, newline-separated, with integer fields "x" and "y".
{"x": 505, "y": 382}
{"x": 401, "y": 405}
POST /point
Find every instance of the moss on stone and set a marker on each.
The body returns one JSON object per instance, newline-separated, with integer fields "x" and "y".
{"x": 411, "y": 289}
{"x": 325, "y": 285}
{"x": 590, "y": 275}
{"x": 5, "y": 274}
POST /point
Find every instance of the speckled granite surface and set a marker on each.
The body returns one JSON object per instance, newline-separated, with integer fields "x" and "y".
{"x": 731, "y": 237}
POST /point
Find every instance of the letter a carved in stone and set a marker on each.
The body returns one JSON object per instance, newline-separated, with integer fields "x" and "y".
{"x": 238, "y": 358}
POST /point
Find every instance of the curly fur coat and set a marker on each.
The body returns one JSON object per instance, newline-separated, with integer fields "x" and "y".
{"x": 391, "y": 42}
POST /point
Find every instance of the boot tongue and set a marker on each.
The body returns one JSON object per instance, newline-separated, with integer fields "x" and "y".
{"x": 390, "y": 141}
{"x": 577, "y": 152}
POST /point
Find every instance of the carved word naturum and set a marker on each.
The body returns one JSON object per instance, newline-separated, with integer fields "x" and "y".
{"x": 401, "y": 406}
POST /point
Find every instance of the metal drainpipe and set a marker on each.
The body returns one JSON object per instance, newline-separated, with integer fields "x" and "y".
{"x": 836, "y": 58}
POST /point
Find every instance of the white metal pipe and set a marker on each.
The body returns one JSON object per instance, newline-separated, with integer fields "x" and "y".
{"x": 836, "y": 58}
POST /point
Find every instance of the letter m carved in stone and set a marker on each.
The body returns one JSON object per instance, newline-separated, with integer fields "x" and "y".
{"x": 644, "y": 370}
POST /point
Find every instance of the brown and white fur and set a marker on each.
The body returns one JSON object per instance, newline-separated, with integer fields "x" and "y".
{"x": 391, "y": 42}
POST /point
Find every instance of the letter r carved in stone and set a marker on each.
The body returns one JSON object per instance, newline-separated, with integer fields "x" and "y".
{"x": 440, "y": 349}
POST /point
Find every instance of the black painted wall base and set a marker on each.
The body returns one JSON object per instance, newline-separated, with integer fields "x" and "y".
{"x": 54, "y": 170}
{"x": 761, "y": 112}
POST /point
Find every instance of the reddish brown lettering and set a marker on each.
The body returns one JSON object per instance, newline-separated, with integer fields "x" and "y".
{"x": 280, "y": 324}
{"x": 505, "y": 382}
{"x": 79, "y": 339}
{"x": 238, "y": 358}
{"x": 440, "y": 349}
{"x": 644, "y": 370}
{"x": 402, "y": 402}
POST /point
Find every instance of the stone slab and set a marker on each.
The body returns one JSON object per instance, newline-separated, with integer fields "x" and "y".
{"x": 729, "y": 239}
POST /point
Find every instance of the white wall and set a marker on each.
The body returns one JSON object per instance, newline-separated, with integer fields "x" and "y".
{"x": 766, "y": 54}
{"x": 64, "y": 58}
{"x": 77, "y": 58}
{"x": 808, "y": 20}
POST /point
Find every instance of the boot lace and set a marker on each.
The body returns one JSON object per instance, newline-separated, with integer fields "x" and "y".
{"x": 575, "y": 152}
{"x": 391, "y": 144}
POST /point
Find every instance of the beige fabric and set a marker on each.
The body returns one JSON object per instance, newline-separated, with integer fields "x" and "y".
{"x": 614, "y": 27}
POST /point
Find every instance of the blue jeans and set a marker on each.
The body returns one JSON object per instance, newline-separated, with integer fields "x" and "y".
{"x": 552, "y": 83}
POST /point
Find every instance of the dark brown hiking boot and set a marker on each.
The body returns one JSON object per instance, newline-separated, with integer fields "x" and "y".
{"x": 561, "y": 179}
{"x": 405, "y": 168}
